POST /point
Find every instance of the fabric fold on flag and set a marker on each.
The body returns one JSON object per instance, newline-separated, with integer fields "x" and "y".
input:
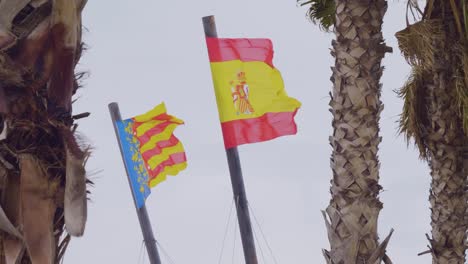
{"x": 252, "y": 103}
{"x": 151, "y": 150}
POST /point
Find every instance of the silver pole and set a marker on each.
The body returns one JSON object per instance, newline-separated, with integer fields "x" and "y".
{"x": 237, "y": 181}
{"x": 145, "y": 223}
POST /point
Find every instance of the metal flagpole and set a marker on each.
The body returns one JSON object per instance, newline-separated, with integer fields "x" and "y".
{"x": 237, "y": 181}
{"x": 145, "y": 223}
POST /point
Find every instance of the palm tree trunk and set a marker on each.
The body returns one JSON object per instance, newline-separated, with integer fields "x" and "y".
{"x": 38, "y": 210}
{"x": 446, "y": 145}
{"x": 448, "y": 196}
{"x": 38, "y": 80}
{"x": 354, "y": 208}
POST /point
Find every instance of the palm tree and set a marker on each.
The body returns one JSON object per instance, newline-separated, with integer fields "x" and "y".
{"x": 42, "y": 177}
{"x": 435, "y": 115}
{"x": 355, "y": 105}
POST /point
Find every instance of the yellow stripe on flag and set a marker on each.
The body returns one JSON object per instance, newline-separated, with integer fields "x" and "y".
{"x": 144, "y": 127}
{"x": 168, "y": 170}
{"x": 266, "y": 93}
{"x": 158, "y": 110}
{"x": 154, "y": 161}
{"x": 165, "y": 135}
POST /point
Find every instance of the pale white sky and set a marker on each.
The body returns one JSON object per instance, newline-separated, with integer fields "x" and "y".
{"x": 144, "y": 52}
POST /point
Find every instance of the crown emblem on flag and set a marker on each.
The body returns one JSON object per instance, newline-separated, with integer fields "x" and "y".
{"x": 240, "y": 95}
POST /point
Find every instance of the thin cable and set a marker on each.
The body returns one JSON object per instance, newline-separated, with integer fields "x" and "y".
{"x": 141, "y": 252}
{"x": 259, "y": 246}
{"x": 144, "y": 258}
{"x": 234, "y": 244}
{"x": 225, "y": 233}
{"x": 261, "y": 232}
{"x": 235, "y": 231}
{"x": 165, "y": 252}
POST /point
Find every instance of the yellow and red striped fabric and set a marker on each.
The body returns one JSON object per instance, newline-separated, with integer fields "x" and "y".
{"x": 162, "y": 152}
{"x": 252, "y": 102}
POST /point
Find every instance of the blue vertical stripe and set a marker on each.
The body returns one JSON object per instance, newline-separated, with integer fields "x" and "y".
{"x": 134, "y": 162}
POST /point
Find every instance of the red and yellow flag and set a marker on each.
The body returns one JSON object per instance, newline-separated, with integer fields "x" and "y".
{"x": 162, "y": 152}
{"x": 150, "y": 150}
{"x": 252, "y": 102}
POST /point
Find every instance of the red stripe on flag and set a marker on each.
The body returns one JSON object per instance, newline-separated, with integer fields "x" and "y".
{"x": 266, "y": 127}
{"x": 163, "y": 116}
{"x": 224, "y": 49}
{"x": 143, "y": 139}
{"x": 174, "y": 159}
{"x": 172, "y": 141}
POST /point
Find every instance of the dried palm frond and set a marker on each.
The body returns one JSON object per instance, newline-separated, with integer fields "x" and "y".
{"x": 29, "y": 18}
{"x": 462, "y": 101}
{"x": 36, "y": 122}
{"x": 321, "y": 12}
{"x": 428, "y": 9}
{"x": 417, "y": 42}
{"x": 461, "y": 86}
{"x": 465, "y": 17}
{"x": 414, "y": 120}
{"x": 412, "y": 7}
{"x": 464, "y": 59}
{"x": 10, "y": 74}
{"x": 456, "y": 16}
{"x": 61, "y": 236}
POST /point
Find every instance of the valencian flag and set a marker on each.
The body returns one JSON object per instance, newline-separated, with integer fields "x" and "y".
{"x": 252, "y": 102}
{"x": 151, "y": 151}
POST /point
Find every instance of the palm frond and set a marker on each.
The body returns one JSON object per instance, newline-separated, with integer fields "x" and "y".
{"x": 417, "y": 41}
{"x": 456, "y": 16}
{"x": 462, "y": 102}
{"x": 321, "y": 12}
{"x": 414, "y": 121}
{"x": 428, "y": 10}
{"x": 461, "y": 87}
{"x": 10, "y": 75}
{"x": 412, "y": 7}
{"x": 465, "y": 17}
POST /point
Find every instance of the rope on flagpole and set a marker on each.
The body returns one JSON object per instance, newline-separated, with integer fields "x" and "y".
{"x": 165, "y": 252}
{"x": 144, "y": 257}
{"x": 140, "y": 256}
{"x": 259, "y": 246}
{"x": 236, "y": 200}
{"x": 261, "y": 232}
{"x": 225, "y": 232}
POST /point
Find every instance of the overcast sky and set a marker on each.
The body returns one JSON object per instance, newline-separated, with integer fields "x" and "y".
{"x": 148, "y": 51}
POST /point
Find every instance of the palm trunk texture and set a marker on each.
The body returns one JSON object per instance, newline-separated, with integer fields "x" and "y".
{"x": 448, "y": 195}
{"x": 446, "y": 146}
{"x": 43, "y": 193}
{"x": 435, "y": 116}
{"x": 355, "y": 105}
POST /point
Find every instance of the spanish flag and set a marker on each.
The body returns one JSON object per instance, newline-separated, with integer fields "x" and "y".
{"x": 151, "y": 151}
{"x": 252, "y": 102}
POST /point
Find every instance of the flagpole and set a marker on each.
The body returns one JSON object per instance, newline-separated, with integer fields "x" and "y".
{"x": 145, "y": 223}
{"x": 237, "y": 180}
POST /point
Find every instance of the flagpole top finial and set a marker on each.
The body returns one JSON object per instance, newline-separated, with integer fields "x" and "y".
{"x": 209, "y": 26}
